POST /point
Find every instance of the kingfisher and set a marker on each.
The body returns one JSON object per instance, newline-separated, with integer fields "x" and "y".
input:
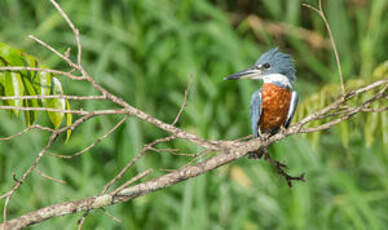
{"x": 273, "y": 106}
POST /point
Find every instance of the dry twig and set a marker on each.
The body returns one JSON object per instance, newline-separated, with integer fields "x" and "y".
{"x": 320, "y": 12}
{"x": 184, "y": 101}
{"x": 42, "y": 174}
{"x": 94, "y": 143}
{"x": 228, "y": 151}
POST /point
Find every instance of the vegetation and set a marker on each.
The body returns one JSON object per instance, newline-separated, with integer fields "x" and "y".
{"x": 145, "y": 51}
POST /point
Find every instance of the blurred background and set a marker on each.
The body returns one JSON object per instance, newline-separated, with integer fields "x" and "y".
{"x": 145, "y": 51}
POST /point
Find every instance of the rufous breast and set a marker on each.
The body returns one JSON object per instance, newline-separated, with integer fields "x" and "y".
{"x": 275, "y": 104}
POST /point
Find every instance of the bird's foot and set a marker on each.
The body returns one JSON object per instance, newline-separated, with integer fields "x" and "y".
{"x": 283, "y": 129}
{"x": 263, "y": 136}
{"x": 280, "y": 169}
{"x": 255, "y": 155}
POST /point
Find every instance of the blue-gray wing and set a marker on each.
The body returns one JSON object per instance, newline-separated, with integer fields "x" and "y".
{"x": 255, "y": 109}
{"x": 292, "y": 109}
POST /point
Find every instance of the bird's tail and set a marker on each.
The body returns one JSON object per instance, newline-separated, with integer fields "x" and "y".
{"x": 255, "y": 155}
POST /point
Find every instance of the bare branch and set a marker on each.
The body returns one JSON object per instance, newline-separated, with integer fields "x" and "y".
{"x": 42, "y": 174}
{"x": 184, "y": 154}
{"x": 51, "y": 140}
{"x": 225, "y": 151}
{"x": 131, "y": 181}
{"x": 150, "y": 119}
{"x": 24, "y": 131}
{"x": 81, "y": 221}
{"x": 115, "y": 219}
{"x": 132, "y": 162}
{"x": 349, "y": 114}
{"x": 339, "y": 102}
{"x": 230, "y": 151}
{"x": 68, "y": 97}
{"x": 56, "y": 52}
{"x": 94, "y": 143}
{"x": 79, "y": 112}
{"x": 28, "y": 68}
{"x": 375, "y": 110}
{"x": 184, "y": 101}
{"x": 73, "y": 28}
{"x": 337, "y": 58}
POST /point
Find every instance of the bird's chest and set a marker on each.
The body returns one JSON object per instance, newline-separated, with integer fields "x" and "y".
{"x": 275, "y": 105}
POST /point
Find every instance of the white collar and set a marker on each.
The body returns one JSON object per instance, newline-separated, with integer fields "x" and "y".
{"x": 277, "y": 79}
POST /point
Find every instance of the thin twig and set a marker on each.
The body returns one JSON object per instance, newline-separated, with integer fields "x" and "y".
{"x": 229, "y": 150}
{"x": 184, "y": 154}
{"x": 42, "y": 174}
{"x": 73, "y": 28}
{"x": 115, "y": 219}
{"x": 136, "y": 158}
{"x": 375, "y": 110}
{"x": 79, "y": 112}
{"x": 340, "y": 102}
{"x": 35, "y": 69}
{"x": 24, "y": 131}
{"x": 173, "y": 130}
{"x": 94, "y": 143}
{"x": 346, "y": 116}
{"x": 52, "y": 138}
{"x": 81, "y": 221}
{"x": 56, "y": 52}
{"x": 320, "y": 12}
{"x": 69, "y": 97}
{"x": 163, "y": 150}
{"x": 131, "y": 181}
{"x": 184, "y": 101}
{"x": 123, "y": 186}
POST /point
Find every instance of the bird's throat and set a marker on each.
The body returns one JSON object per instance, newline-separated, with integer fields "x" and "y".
{"x": 277, "y": 79}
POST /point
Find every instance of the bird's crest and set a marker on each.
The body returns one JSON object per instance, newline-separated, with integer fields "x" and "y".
{"x": 281, "y": 62}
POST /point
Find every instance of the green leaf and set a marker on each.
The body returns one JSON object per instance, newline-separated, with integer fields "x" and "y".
{"x": 14, "y": 87}
{"x": 2, "y": 83}
{"x": 56, "y": 103}
{"x": 12, "y": 56}
{"x": 31, "y": 83}
{"x": 44, "y": 85}
{"x": 30, "y": 116}
{"x": 328, "y": 93}
{"x": 69, "y": 121}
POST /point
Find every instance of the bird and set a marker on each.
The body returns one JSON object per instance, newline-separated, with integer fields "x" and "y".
{"x": 273, "y": 106}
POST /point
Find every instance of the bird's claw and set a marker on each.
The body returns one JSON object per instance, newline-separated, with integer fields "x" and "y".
{"x": 283, "y": 129}
{"x": 255, "y": 155}
{"x": 263, "y": 136}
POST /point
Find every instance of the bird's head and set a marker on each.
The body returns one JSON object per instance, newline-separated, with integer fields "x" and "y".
{"x": 269, "y": 66}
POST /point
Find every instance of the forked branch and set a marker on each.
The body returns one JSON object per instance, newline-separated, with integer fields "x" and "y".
{"x": 227, "y": 151}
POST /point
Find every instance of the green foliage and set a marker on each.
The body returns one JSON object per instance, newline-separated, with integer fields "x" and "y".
{"x": 144, "y": 51}
{"x": 368, "y": 122}
{"x": 30, "y": 83}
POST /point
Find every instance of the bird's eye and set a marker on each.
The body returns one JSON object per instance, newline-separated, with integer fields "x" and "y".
{"x": 266, "y": 65}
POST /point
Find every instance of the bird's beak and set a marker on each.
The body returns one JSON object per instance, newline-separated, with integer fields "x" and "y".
{"x": 251, "y": 73}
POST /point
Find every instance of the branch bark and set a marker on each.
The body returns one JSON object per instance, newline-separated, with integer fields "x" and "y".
{"x": 228, "y": 151}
